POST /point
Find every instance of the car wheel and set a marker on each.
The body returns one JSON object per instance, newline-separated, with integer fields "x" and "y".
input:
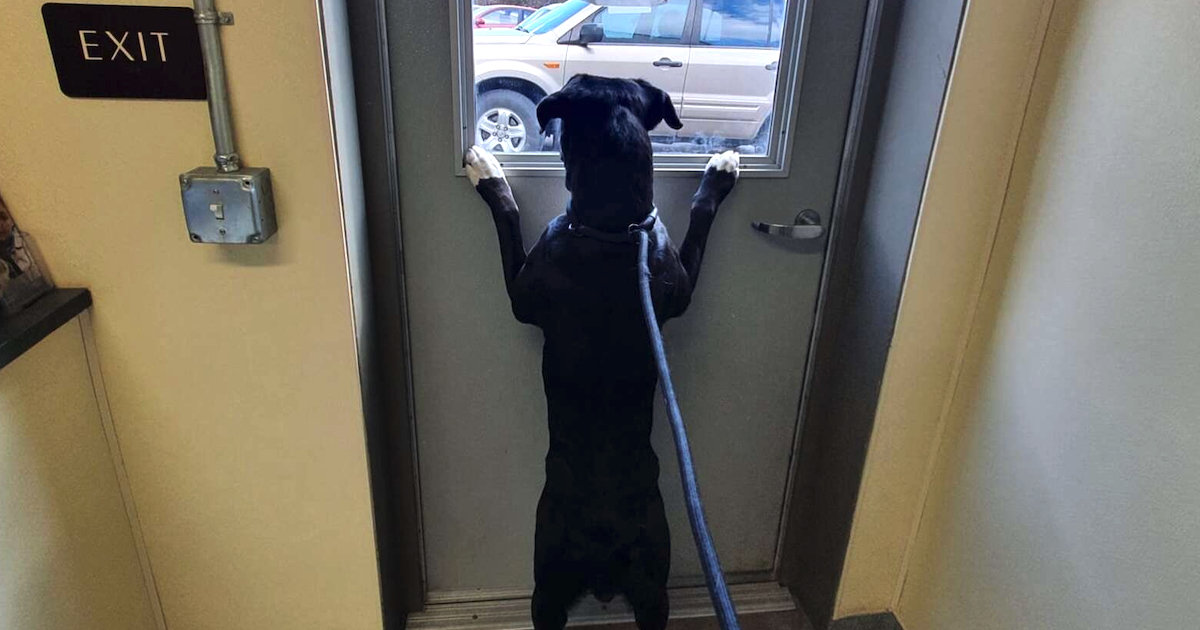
{"x": 506, "y": 122}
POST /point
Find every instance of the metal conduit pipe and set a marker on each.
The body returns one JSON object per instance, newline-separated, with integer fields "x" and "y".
{"x": 207, "y": 21}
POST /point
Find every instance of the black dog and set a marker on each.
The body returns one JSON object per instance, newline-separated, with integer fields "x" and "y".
{"x": 600, "y": 521}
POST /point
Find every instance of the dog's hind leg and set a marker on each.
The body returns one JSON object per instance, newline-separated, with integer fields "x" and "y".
{"x": 647, "y": 596}
{"x": 551, "y": 601}
{"x": 718, "y": 179}
{"x": 645, "y": 584}
{"x": 557, "y": 584}
{"x": 557, "y": 575}
{"x": 651, "y": 608}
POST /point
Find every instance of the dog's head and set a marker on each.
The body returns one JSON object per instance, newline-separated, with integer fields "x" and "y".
{"x": 589, "y": 98}
{"x": 604, "y": 136}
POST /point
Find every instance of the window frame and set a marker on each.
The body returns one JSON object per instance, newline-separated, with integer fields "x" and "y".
{"x": 776, "y": 163}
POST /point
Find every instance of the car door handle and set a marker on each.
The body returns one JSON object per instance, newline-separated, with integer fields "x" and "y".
{"x": 773, "y": 66}
{"x": 807, "y": 225}
{"x": 667, "y": 62}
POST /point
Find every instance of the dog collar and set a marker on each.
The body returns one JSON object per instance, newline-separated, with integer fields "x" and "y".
{"x": 628, "y": 236}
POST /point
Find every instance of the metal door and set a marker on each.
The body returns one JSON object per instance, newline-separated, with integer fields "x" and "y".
{"x": 738, "y": 354}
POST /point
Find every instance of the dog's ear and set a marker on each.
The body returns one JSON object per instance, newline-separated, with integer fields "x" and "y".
{"x": 551, "y": 107}
{"x": 659, "y": 107}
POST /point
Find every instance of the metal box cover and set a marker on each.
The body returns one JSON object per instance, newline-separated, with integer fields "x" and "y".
{"x": 237, "y": 207}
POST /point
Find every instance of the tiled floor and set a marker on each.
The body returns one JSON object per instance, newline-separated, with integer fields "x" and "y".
{"x": 790, "y": 620}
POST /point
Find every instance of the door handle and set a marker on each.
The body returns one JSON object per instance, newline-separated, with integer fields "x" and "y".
{"x": 667, "y": 62}
{"x": 773, "y": 66}
{"x": 807, "y": 225}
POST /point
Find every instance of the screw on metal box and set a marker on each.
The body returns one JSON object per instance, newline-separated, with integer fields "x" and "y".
{"x": 230, "y": 203}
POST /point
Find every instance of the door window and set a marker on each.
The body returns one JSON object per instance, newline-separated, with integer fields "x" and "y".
{"x": 731, "y": 74}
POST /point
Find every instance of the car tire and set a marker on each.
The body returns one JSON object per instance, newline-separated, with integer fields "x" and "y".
{"x": 506, "y": 122}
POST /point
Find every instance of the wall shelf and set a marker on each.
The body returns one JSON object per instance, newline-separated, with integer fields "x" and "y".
{"x": 25, "y": 329}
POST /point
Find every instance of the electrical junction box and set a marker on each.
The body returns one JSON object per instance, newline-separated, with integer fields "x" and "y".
{"x": 237, "y": 207}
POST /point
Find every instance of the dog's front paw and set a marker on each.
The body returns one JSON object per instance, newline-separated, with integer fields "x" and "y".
{"x": 727, "y": 162}
{"x": 719, "y": 178}
{"x": 481, "y": 165}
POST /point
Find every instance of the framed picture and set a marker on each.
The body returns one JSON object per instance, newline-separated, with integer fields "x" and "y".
{"x": 21, "y": 278}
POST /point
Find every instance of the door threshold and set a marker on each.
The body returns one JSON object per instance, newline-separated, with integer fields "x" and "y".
{"x": 513, "y": 614}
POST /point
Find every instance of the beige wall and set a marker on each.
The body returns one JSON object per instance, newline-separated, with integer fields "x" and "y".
{"x": 982, "y": 116}
{"x": 1066, "y": 494}
{"x": 68, "y": 552}
{"x": 231, "y": 371}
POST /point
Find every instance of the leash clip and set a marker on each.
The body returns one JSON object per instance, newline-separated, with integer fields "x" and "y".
{"x": 646, "y": 223}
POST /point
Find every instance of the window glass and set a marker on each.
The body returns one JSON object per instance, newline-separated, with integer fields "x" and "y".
{"x": 660, "y": 24}
{"x": 722, "y": 73}
{"x": 503, "y": 16}
{"x": 549, "y": 17}
{"x": 741, "y": 23}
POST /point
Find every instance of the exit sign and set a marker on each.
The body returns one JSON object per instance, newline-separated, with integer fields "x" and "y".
{"x": 109, "y": 51}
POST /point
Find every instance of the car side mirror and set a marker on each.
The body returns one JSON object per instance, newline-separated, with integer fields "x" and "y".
{"x": 584, "y": 34}
{"x": 590, "y": 33}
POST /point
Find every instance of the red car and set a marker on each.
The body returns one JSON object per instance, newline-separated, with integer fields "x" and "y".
{"x": 500, "y": 15}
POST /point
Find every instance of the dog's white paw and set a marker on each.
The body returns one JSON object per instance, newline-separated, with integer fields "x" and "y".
{"x": 481, "y": 165}
{"x": 728, "y": 162}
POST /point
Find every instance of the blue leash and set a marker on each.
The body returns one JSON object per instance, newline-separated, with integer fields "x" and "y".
{"x": 713, "y": 576}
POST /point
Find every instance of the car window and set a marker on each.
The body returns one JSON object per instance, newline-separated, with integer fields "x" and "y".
{"x": 537, "y": 14}
{"x": 503, "y": 16}
{"x": 660, "y": 24}
{"x": 742, "y": 23}
{"x": 553, "y": 16}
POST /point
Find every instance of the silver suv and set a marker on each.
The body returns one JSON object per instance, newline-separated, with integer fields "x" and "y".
{"x": 717, "y": 59}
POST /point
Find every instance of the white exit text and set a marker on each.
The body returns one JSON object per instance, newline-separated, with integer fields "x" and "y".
{"x": 93, "y": 46}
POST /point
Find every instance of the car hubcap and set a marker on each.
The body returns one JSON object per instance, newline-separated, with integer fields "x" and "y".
{"x": 500, "y": 129}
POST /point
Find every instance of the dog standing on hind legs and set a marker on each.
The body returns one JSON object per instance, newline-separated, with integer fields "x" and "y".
{"x": 601, "y": 526}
